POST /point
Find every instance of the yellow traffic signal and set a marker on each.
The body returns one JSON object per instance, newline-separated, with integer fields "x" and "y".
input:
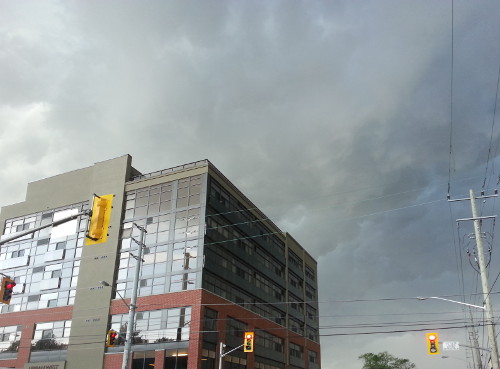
{"x": 248, "y": 342}
{"x": 432, "y": 343}
{"x": 99, "y": 221}
{"x": 111, "y": 339}
{"x": 6, "y": 290}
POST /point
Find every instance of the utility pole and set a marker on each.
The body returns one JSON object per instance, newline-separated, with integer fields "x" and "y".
{"x": 133, "y": 301}
{"x": 484, "y": 281}
{"x": 476, "y": 356}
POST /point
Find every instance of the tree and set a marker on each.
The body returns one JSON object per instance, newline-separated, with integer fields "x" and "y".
{"x": 384, "y": 360}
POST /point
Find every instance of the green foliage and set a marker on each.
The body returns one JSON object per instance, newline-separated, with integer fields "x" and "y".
{"x": 384, "y": 360}
{"x": 48, "y": 344}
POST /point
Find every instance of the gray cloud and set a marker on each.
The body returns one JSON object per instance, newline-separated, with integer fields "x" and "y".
{"x": 334, "y": 117}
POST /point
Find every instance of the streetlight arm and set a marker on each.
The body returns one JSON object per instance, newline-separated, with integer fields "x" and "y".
{"x": 456, "y": 302}
{"x": 106, "y": 284}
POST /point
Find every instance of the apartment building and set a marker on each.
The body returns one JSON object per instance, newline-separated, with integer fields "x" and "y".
{"x": 213, "y": 266}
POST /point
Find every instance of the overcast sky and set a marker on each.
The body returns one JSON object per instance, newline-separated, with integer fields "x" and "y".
{"x": 334, "y": 117}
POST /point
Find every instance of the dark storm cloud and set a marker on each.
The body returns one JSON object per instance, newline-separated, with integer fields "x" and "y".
{"x": 333, "y": 116}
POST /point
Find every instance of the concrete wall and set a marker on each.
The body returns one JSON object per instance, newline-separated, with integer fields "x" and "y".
{"x": 92, "y": 302}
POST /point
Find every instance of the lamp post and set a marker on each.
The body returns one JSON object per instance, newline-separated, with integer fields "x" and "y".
{"x": 476, "y": 348}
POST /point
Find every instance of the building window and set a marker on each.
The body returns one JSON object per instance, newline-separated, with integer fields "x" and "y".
{"x": 46, "y": 259}
{"x": 313, "y": 357}
{"x": 51, "y": 335}
{"x": 310, "y": 292}
{"x": 312, "y": 334}
{"x": 296, "y": 303}
{"x": 269, "y": 341}
{"x": 295, "y": 351}
{"x": 10, "y": 337}
{"x": 294, "y": 260}
{"x": 311, "y": 313}
{"x": 210, "y": 321}
{"x": 235, "y": 328}
{"x": 295, "y": 281}
{"x": 261, "y": 363}
{"x": 296, "y": 326}
{"x": 310, "y": 275}
{"x": 155, "y": 326}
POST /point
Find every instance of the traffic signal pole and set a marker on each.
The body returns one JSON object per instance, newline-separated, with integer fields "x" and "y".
{"x": 222, "y": 353}
{"x": 52, "y": 224}
{"x": 484, "y": 282}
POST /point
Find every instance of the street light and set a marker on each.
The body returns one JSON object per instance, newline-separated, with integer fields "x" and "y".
{"x": 106, "y": 284}
{"x": 476, "y": 352}
{"x": 456, "y": 302}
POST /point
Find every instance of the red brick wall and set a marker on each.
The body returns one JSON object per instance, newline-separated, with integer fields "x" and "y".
{"x": 28, "y": 319}
{"x": 196, "y": 299}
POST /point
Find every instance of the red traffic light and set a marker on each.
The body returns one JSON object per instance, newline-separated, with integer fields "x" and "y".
{"x": 112, "y": 338}
{"x": 6, "y": 290}
{"x": 432, "y": 337}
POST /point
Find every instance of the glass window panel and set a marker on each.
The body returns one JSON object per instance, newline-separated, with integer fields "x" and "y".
{"x": 159, "y": 289}
{"x": 182, "y": 203}
{"x": 154, "y": 209}
{"x": 140, "y": 212}
{"x": 67, "y": 228}
{"x": 195, "y": 189}
{"x": 180, "y": 233}
{"x": 147, "y": 269}
{"x": 182, "y": 192}
{"x": 154, "y": 198}
{"x": 122, "y": 274}
{"x": 163, "y": 225}
{"x": 165, "y": 206}
{"x": 153, "y": 226}
{"x": 162, "y": 237}
{"x": 161, "y": 257}
{"x": 126, "y": 243}
{"x": 143, "y": 201}
{"x": 194, "y": 200}
{"x": 150, "y": 239}
{"x": 123, "y": 263}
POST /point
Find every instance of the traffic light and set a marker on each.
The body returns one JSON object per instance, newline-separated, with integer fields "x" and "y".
{"x": 248, "y": 342}
{"x": 432, "y": 343}
{"x": 111, "y": 339}
{"x": 6, "y": 290}
{"x": 99, "y": 220}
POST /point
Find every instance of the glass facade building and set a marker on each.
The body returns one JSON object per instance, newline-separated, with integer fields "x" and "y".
{"x": 213, "y": 266}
